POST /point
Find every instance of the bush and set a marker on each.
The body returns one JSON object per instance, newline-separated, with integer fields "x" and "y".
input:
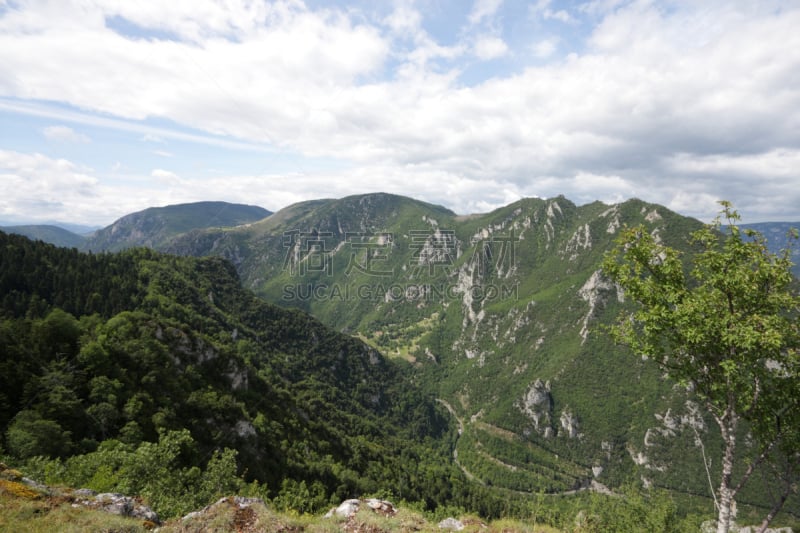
{"x": 161, "y": 472}
{"x": 30, "y": 435}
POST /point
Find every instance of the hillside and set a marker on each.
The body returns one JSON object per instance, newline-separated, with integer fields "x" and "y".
{"x": 154, "y": 226}
{"x": 159, "y": 376}
{"x": 47, "y": 233}
{"x": 501, "y": 315}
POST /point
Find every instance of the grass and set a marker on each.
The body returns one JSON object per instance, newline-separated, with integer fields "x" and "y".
{"x": 54, "y": 511}
{"x": 401, "y": 341}
{"x": 53, "y": 514}
{"x": 45, "y": 513}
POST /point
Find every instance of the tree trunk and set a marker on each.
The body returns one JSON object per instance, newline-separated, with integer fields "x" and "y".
{"x": 727, "y": 426}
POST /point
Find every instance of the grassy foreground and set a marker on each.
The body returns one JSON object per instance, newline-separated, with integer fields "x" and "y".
{"x": 30, "y": 507}
{"x": 22, "y": 509}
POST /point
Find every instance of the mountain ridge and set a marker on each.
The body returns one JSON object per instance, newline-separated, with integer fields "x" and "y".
{"x": 153, "y": 226}
{"x": 49, "y": 233}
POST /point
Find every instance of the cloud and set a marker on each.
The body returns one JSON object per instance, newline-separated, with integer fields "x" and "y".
{"x": 151, "y": 133}
{"x": 544, "y": 48}
{"x": 152, "y": 138}
{"x": 166, "y": 176}
{"x": 404, "y": 20}
{"x": 661, "y": 101}
{"x": 541, "y": 9}
{"x": 36, "y": 186}
{"x": 488, "y": 47}
{"x": 64, "y": 134}
{"x": 483, "y": 9}
{"x": 779, "y": 163}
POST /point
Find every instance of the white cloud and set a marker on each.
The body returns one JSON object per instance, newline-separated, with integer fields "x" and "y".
{"x": 151, "y": 133}
{"x": 404, "y": 20}
{"x": 778, "y": 163}
{"x": 64, "y": 134}
{"x": 561, "y": 15}
{"x": 545, "y": 48}
{"x": 152, "y": 138}
{"x": 600, "y": 7}
{"x": 541, "y": 9}
{"x": 489, "y": 47}
{"x": 34, "y": 185}
{"x": 166, "y": 176}
{"x": 483, "y": 9}
{"x": 662, "y": 98}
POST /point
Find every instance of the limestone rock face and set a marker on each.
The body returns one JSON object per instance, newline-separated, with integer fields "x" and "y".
{"x": 537, "y": 404}
{"x": 451, "y": 524}
{"x": 569, "y": 424}
{"x": 239, "y": 502}
{"x": 119, "y": 504}
{"x": 348, "y": 508}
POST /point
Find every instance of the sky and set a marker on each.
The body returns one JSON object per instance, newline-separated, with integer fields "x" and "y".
{"x": 108, "y": 107}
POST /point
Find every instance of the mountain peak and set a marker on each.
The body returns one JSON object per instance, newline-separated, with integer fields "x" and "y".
{"x": 153, "y": 226}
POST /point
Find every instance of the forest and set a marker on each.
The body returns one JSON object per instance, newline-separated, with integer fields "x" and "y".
{"x": 159, "y": 375}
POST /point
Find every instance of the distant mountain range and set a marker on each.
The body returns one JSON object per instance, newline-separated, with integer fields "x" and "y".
{"x": 155, "y": 227}
{"x": 150, "y": 228}
{"x": 779, "y": 236}
{"x": 48, "y": 233}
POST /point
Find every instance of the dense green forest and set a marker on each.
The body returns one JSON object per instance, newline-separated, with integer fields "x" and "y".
{"x": 115, "y": 363}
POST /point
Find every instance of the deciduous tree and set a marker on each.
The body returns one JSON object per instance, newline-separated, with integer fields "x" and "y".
{"x": 724, "y": 323}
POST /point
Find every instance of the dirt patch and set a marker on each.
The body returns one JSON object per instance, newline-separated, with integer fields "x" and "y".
{"x": 244, "y": 520}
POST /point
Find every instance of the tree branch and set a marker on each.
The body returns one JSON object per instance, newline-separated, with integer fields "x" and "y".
{"x": 752, "y": 466}
{"x": 787, "y": 478}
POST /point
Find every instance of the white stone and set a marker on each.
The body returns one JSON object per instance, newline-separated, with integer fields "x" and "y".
{"x": 451, "y": 524}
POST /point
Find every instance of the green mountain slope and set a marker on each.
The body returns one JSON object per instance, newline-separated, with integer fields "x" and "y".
{"x": 154, "y": 226}
{"x": 102, "y": 354}
{"x": 47, "y": 233}
{"x": 502, "y": 316}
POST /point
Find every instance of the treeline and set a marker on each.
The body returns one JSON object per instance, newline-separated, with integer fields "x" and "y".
{"x": 35, "y": 277}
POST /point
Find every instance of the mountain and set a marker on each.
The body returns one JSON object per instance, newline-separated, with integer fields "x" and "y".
{"x": 501, "y": 316}
{"x": 778, "y": 235}
{"x": 156, "y": 225}
{"x": 47, "y": 233}
{"x": 494, "y": 320}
